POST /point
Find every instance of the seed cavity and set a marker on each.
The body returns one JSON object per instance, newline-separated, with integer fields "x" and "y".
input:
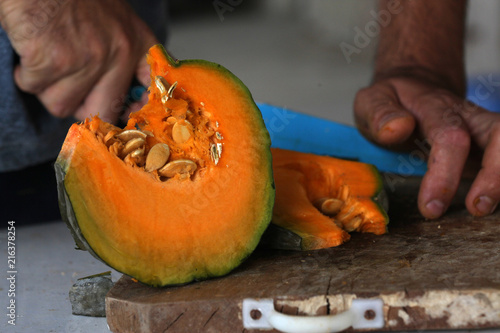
{"x": 157, "y": 157}
{"x": 178, "y": 167}
{"x": 187, "y": 131}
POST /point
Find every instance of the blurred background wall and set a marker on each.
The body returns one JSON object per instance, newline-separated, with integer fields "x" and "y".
{"x": 297, "y": 54}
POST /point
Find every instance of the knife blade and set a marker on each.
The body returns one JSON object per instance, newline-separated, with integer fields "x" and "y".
{"x": 301, "y": 132}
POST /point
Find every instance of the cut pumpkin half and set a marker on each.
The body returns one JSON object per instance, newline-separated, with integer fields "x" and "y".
{"x": 183, "y": 192}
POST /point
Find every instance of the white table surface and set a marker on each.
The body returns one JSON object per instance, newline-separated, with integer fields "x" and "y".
{"x": 47, "y": 267}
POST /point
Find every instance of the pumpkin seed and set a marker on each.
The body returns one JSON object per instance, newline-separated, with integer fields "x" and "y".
{"x": 338, "y": 223}
{"x": 148, "y": 133}
{"x": 209, "y": 132}
{"x": 137, "y": 153}
{"x": 213, "y": 154}
{"x": 218, "y": 135}
{"x": 129, "y": 161}
{"x": 157, "y": 157}
{"x": 343, "y": 193}
{"x": 216, "y": 152}
{"x": 182, "y": 131}
{"x": 110, "y": 138}
{"x": 347, "y": 214}
{"x": 178, "y": 167}
{"x": 116, "y": 148}
{"x": 353, "y": 224}
{"x": 329, "y": 206}
{"x": 128, "y": 135}
{"x": 132, "y": 145}
{"x": 161, "y": 83}
{"x": 135, "y": 158}
{"x": 219, "y": 149}
{"x": 171, "y": 120}
{"x": 170, "y": 91}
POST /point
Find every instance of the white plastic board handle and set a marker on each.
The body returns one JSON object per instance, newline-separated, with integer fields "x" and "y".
{"x": 364, "y": 313}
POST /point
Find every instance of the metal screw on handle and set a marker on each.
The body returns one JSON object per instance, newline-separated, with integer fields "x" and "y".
{"x": 364, "y": 313}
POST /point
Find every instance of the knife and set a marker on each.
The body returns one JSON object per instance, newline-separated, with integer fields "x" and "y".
{"x": 300, "y": 132}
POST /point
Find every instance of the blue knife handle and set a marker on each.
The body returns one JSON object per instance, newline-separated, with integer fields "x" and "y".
{"x": 300, "y": 132}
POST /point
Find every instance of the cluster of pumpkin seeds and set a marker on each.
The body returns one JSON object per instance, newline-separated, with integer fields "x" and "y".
{"x": 131, "y": 145}
{"x": 333, "y": 207}
{"x": 182, "y": 132}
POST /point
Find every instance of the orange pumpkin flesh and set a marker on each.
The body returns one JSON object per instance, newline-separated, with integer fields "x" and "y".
{"x": 171, "y": 230}
{"x": 302, "y": 179}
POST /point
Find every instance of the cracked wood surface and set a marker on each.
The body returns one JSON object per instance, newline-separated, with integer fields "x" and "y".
{"x": 438, "y": 274}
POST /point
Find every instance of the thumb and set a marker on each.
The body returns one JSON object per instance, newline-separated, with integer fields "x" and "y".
{"x": 143, "y": 72}
{"x": 143, "y": 78}
{"x": 380, "y": 117}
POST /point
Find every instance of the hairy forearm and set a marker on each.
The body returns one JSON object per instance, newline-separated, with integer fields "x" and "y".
{"x": 424, "y": 38}
{"x": 6, "y": 8}
{"x": 26, "y": 19}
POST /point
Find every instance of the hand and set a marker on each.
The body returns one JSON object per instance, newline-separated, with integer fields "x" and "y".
{"x": 398, "y": 109}
{"x": 77, "y": 57}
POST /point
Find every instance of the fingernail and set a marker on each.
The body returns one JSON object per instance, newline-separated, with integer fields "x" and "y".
{"x": 435, "y": 208}
{"x": 388, "y": 117}
{"x": 485, "y": 205}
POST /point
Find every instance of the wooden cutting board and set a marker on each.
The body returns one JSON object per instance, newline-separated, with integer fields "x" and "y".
{"x": 441, "y": 274}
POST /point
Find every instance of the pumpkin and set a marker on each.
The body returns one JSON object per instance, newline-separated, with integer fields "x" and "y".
{"x": 185, "y": 191}
{"x": 320, "y": 199}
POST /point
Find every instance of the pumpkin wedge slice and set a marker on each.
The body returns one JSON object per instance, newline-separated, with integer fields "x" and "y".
{"x": 320, "y": 199}
{"x": 183, "y": 192}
